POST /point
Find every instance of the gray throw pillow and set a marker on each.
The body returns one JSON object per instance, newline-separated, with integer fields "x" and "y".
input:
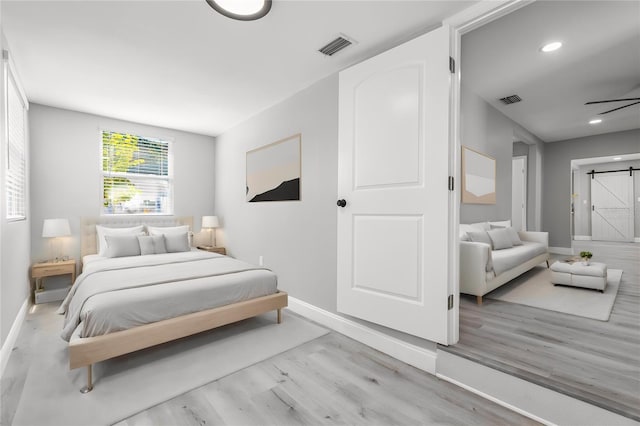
{"x": 515, "y": 238}
{"x": 500, "y": 238}
{"x": 122, "y": 245}
{"x": 177, "y": 242}
{"x": 152, "y": 244}
{"x": 480, "y": 237}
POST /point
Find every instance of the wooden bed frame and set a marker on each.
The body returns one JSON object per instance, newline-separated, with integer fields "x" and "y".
{"x": 86, "y": 351}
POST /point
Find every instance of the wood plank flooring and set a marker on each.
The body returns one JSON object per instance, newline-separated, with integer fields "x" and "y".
{"x": 594, "y": 361}
{"x": 331, "y": 380}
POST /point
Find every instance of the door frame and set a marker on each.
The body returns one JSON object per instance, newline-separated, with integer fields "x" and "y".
{"x": 525, "y": 206}
{"x": 459, "y": 24}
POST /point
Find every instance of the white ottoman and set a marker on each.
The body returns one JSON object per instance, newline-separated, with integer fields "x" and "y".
{"x": 577, "y": 274}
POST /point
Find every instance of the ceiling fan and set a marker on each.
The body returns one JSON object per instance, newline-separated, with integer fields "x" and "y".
{"x": 637, "y": 101}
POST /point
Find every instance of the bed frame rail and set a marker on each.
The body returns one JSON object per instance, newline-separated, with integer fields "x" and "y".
{"x": 89, "y": 350}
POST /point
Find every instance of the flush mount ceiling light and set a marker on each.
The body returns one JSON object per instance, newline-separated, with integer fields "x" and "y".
{"x": 242, "y": 10}
{"x": 617, "y": 158}
{"x": 550, "y": 47}
{"x": 595, "y": 121}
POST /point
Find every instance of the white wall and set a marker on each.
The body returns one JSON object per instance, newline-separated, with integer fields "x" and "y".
{"x": 298, "y": 239}
{"x": 14, "y": 236}
{"x": 65, "y": 170}
{"x": 487, "y": 130}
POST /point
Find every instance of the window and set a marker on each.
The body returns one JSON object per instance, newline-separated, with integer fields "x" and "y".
{"x": 136, "y": 175}
{"x": 16, "y": 158}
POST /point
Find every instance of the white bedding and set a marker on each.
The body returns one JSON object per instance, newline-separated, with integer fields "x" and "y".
{"x": 114, "y": 294}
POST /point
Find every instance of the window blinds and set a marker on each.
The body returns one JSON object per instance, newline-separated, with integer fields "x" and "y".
{"x": 16, "y": 158}
{"x": 136, "y": 175}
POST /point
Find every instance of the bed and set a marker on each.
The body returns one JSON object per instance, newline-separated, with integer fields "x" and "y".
{"x": 122, "y": 304}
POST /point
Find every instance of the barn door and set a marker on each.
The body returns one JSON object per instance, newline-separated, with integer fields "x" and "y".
{"x": 392, "y": 181}
{"x": 612, "y": 207}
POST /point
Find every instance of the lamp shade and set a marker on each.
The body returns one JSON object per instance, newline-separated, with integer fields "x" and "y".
{"x": 210, "y": 222}
{"x": 55, "y": 228}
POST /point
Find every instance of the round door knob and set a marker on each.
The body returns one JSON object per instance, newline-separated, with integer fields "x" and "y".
{"x": 342, "y": 203}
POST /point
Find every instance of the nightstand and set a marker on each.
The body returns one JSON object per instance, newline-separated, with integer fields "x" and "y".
{"x": 39, "y": 271}
{"x": 219, "y": 250}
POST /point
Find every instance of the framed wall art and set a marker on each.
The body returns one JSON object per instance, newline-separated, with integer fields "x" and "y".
{"x": 478, "y": 177}
{"x": 274, "y": 170}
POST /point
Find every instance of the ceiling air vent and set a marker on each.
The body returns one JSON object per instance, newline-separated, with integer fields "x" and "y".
{"x": 336, "y": 45}
{"x": 510, "y": 99}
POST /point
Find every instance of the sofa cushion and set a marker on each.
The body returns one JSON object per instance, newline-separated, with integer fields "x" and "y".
{"x": 466, "y": 228}
{"x": 503, "y": 260}
{"x": 500, "y": 238}
{"x": 480, "y": 237}
{"x": 501, "y": 224}
{"x": 515, "y": 238}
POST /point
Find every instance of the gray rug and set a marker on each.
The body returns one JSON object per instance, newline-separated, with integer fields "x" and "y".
{"x": 132, "y": 383}
{"x": 534, "y": 288}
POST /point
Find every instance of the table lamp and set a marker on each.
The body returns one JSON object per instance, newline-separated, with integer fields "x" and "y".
{"x": 55, "y": 229}
{"x": 210, "y": 223}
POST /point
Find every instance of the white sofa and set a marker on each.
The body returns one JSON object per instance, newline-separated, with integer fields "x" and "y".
{"x": 483, "y": 269}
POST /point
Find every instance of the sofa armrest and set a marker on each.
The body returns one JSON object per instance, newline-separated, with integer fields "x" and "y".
{"x": 475, "y": 262}
{"x": 534, "y": 236}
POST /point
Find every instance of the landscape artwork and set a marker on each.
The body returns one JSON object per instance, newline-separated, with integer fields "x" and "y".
{"x": 273, "y": 171}
{"x": 478, "y": 177}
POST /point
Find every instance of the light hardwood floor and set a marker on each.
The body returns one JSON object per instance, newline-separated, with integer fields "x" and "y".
{"x": 330, "y": 380}
{"x": 594, "y": 361}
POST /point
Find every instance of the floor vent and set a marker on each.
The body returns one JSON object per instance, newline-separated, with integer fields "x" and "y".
{"x": 510, "y": 99}
{"x": 335, "y": 46}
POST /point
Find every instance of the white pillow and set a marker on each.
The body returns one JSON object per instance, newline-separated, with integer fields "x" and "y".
{"x": 465, "y": 228}
{"x": 103, "y": 230}
{"x": 176, "y": 243}
{"x": 482, "y": 225}
{"x": 152, "y": 244}
{"x": 170, "y": 230}
{"x": 122, "y": 245}
{"x": 502, "y": 223}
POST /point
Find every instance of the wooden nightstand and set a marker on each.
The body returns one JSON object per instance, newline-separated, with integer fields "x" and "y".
{"x": 39, "y": 271}
{"x": 219, "y": 250}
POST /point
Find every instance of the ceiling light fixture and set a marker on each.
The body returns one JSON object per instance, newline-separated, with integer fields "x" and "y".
{"x": 617, "y": 158}
{"x": 595, "y": 121}
{"x": 242, "y": 10}
{"x": 550, "y": 47}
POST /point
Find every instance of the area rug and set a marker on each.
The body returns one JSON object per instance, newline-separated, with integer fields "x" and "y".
{"x": 534, "y": 288}
{"x": 129, "y": 384}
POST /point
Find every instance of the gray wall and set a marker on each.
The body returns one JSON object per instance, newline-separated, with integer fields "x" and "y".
{"x": 487, "y": 130}
{"x": 582, "y": 194}
{"x": 296, "y": 239}
{"x": 556, "y": 215}
{"x": 14, "y": 237}
{"x": 66, "y": 179}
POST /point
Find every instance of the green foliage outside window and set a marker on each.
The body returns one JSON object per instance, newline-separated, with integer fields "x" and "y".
{"x": 119, "y": 155}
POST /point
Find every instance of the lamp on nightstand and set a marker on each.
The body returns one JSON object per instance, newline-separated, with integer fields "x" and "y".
{"x": 55, "y": 229}
{"x": 210, "y": 223}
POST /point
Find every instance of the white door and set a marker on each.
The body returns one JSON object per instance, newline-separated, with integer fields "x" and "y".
{"x": 392, "y": 173}
{"x": 612, "y": 207}
{"x": 519, "y": 193}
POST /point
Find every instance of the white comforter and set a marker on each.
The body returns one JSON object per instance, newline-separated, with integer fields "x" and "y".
{"x": 120, "y": 293}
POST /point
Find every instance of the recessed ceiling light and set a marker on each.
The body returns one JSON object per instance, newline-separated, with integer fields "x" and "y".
{"x": 550, "y": 47}
{"x": 244, "y": 10}
{"x": 595, "y": 121}
{"x": 617, "y": 158}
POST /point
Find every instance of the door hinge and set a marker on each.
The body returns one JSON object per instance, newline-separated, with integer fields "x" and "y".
{"x": 450, "y": 302}
{"x": 452, "y": 65}
{"x": 451, "y": 183}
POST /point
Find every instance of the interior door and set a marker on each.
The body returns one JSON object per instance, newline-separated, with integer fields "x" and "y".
{"x": 519, "y": 193}
{"x": 393, "y": 173}
{"x": 612, "y": 207}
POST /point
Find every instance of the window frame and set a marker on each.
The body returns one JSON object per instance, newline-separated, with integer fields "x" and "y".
{"x": 169, "y": 178}
{"x": 11, "y": 79}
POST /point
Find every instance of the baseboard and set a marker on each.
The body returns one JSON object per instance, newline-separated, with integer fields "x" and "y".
{"x": 529, "y": 399}
{"x": 419, "y": 357}
{"x": 582, "y": 237}
{"x": 10, "y": 341}
{"x": 561, "y": 250}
